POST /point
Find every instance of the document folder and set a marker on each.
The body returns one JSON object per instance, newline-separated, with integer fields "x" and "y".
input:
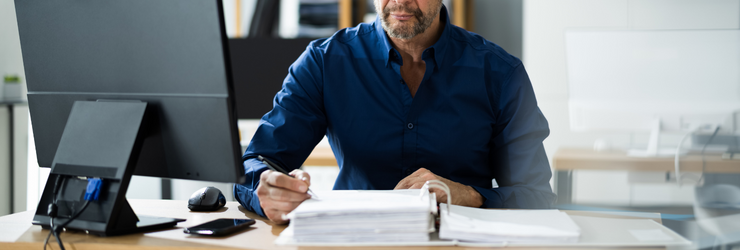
{"x": 406, "y": 218}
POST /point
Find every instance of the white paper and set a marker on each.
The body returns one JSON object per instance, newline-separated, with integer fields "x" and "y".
{"x": 650, "y": 235}
{"x": 494, "y": 225}
{"x": 363, "y": 216}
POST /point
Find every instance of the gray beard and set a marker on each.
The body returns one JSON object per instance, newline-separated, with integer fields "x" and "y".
{"x": 408, "y": 32}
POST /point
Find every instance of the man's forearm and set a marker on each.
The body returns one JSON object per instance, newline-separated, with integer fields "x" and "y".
{"x": 463, "y": 195}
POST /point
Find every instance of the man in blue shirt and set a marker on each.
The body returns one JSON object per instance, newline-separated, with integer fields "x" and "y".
{"x": 406, "y": 99}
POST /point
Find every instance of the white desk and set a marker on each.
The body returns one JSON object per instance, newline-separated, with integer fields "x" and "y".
{"x": 16, "y": 231}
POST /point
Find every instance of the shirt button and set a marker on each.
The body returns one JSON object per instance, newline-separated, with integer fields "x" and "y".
{"x": 410, "y": 125}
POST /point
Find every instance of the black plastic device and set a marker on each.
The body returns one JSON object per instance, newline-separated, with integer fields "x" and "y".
{"x": 206, "y": 199}
{"x": 117, "y": 88}
{"x": 220, "y": 227}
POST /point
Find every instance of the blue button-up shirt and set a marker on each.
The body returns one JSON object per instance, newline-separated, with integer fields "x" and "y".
{"x": 473, "y": 119}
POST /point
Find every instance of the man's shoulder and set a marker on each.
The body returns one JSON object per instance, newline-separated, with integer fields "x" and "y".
{"x": 345, "y": 38}
{"x": 483, "y": 47}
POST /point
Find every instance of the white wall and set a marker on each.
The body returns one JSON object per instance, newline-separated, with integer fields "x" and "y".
{"x": 11, "y": 63}
{"x": 544, "y": 57}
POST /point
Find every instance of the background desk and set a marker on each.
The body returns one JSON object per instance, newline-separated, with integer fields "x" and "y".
{"x": 16, "y": 231}
{"x": 321, "y": 156}
{"x": 566, "y": 160}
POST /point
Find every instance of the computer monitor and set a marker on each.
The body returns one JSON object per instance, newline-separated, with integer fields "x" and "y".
{"x": 117, "y": 88}
{"x": 653, "y": 80}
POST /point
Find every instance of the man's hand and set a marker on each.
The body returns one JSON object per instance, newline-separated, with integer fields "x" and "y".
{"x": 461, "y": 194}
{"x": 279, "y": 194}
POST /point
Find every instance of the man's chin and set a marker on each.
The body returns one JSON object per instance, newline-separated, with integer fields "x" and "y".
{"x": 402, "y": 29}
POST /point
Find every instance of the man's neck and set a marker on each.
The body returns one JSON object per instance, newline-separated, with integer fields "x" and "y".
{"x": 411, "y": 49}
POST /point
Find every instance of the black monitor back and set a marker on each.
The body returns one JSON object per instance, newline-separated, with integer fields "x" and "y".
{"x": 171, "y": 54}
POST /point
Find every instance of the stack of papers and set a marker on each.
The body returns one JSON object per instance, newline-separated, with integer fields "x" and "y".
{"x": 511, "y": 226}
{"x": 402, "y": 218}
{"x": 364, "y": 216}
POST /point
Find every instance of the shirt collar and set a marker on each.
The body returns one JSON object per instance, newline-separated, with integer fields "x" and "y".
{"x": 437, "y": 49}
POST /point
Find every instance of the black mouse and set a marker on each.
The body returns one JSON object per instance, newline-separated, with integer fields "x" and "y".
{"x": 206, "y": 199}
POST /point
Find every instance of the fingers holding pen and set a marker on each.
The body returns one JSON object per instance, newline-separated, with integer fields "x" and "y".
{"x": 279, "y": 194}
{"x": 283, "y": 187}
{"x": 301, "y": 175}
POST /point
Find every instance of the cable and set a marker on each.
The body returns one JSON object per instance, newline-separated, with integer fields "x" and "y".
{"x": 46, "y": 241}
{"x": 92, "y": 193}
{"x": 56, "y": 235}
{"x": 52, "y": 209}
{"x": 56, "y": 232}
{"x": 676, "y": 161}
{"x": 87, "y": 202}
{"x": 703, "y": 158}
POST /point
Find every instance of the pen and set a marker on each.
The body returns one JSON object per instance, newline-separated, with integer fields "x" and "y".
{"x": 274, "y": 167}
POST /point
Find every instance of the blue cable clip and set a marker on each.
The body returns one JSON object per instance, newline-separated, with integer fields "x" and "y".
{"x": 93, "y": 189}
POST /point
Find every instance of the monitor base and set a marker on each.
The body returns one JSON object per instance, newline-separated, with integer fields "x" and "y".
{"x": 145, "y": 224}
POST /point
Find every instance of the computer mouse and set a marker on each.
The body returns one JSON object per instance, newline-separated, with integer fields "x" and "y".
{"x": 206, "y": 199}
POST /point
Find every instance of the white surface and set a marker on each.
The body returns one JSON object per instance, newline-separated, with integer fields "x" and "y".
{"x": 608, "y": 232}
{"x": 34, "y": 185}
{"x": 612, "y": 187}
{"x": 684, "y": 14}
{"x": 522, "y": 226}
{"x": 545, "y": 23}
{"x": 362, "y": 201}
{"x": 601, "y": 232}
{"x": 144, "y": 187}
{"x": 289, "y": 14}
{"x": 595, "y": 232}
{"x": 14, "y": 226}
{"x": 601, "y": 187}
{"x": 650, "y": 235}
{"x": 622, "y": 80}
{"x": 322, "y": 177}
{"x": 363, "y": 217}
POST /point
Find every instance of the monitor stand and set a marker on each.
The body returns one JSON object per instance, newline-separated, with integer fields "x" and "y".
{"x": 101, "y": 139}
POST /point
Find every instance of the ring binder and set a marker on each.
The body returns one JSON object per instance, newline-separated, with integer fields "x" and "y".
{"x": 440, "y": 185}
{"x": 406, "y": 218}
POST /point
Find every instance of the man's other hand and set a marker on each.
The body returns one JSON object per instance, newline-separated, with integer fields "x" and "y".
{"x": 279, "y": 194}
{"x": 461, "y": 194}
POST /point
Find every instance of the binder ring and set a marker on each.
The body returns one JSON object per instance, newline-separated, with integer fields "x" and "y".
{"x": 444, "y": 187}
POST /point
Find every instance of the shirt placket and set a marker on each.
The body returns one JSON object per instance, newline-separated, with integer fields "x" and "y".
{"x": 412, "y": 108}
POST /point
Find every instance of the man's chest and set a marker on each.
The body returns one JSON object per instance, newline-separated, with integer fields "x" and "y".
{"x": 412, "y": 75}
{"x": 374, "y": 110}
